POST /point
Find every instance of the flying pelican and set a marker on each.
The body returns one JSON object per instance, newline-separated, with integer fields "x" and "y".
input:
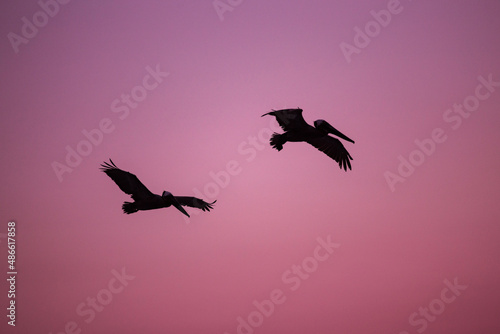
{"x": 145, "y": 199}
{"x": 296, "y": 129}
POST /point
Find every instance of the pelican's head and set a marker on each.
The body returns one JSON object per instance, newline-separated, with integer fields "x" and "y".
{"x": 170, "y": 200}
{"x": 325, "y": 127}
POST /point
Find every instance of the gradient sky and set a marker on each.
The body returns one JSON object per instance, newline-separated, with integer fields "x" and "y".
{"x": 398, "y": 245}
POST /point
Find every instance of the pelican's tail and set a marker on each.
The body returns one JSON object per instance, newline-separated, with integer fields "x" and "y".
{"x": 277, "y": 141}
{"x": 129, "y": 208}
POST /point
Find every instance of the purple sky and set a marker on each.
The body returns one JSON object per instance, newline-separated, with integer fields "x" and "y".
{"x": 172, "y": 91}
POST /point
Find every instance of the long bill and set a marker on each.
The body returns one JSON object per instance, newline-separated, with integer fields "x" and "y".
{"x": 178, "y": 206}
{"x": 339, "y": 134}
{"x": 174, "y": 202}
{"x": 327, "y": 127}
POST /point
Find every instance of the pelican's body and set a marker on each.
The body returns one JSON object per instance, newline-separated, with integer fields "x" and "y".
{"x": 151, "y": 203}
{"x": 145, "y": 199}
{"x": 297, "y": 130}
{"x": 302, "y": 134}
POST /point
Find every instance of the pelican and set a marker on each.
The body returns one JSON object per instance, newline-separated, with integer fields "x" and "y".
{"x": 145, "y": 199}
{"x": 296, "y": 129}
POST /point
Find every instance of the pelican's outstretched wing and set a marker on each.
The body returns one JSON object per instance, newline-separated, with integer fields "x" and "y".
{"x": 289, "y": 119}
{"x": 128, "y": 182}
{"x": 194, "y": 202}
{"x": 334, "y": 149}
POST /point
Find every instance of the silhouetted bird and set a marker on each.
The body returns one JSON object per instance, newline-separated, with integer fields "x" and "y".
{"x": 145, "y": 199}
{"x": 296, "y": 129}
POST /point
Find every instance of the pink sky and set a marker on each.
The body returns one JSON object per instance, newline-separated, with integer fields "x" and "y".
{"x": 399, "y": 245}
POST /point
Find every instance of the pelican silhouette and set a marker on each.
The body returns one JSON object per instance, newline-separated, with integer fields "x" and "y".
{"x": 296, "y": 129}
{"x": 145, "y": 199}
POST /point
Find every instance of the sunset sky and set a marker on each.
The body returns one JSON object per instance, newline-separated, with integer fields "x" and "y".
{"x": 172, "y": 91}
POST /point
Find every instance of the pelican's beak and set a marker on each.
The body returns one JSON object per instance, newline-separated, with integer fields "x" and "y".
{"x": 339, "y": 134}
{"x": 174, "y": 202}
{"x": 179, "y": 207}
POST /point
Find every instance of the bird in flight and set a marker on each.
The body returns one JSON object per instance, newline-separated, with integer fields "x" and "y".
{"x": 145, "y": 199}
{"x": 296, "y": 129}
